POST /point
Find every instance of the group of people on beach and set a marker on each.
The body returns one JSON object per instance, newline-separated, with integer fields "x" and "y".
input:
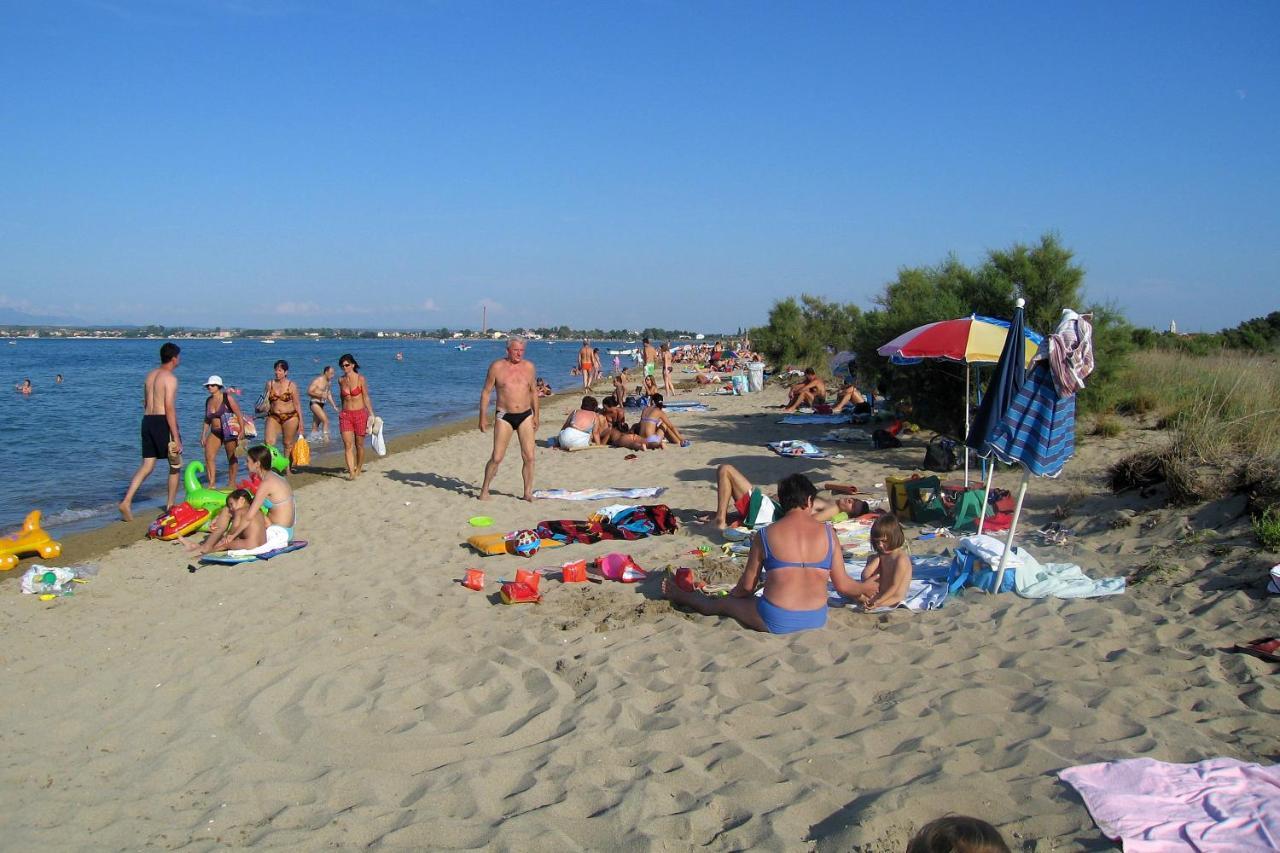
{"x": 225, "y": 425}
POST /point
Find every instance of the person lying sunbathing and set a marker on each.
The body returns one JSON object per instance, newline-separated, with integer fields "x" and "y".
{"x": 809, "y": 391}
{"x": 734, "y": 488}
{"x": 792, "y": 559}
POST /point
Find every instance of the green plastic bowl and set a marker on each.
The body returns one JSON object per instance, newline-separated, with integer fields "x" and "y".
{"x": 480, "y": 521}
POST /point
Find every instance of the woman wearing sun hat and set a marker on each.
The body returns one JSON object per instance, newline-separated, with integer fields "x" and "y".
{"x": 223, "y": 426}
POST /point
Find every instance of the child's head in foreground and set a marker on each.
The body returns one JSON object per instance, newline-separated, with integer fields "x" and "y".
{"x": 886, "y": 534}
{"x": 958, "y": 834}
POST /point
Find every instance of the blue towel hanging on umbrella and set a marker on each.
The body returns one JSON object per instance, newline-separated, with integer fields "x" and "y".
{"x": 1039, "y": 428}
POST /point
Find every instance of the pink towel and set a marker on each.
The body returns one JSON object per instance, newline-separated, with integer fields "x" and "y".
{"x": 1219, "y": 804}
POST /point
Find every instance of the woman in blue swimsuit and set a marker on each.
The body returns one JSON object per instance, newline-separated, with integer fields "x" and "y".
{"x": 793, "y": 559}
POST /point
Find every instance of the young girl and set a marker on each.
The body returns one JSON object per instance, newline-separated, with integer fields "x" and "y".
{"x": 888, "y": 573}
{"x": 236, "y": 515}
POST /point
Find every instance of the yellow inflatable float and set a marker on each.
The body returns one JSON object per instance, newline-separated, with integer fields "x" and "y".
{"x": 30, "y": 540}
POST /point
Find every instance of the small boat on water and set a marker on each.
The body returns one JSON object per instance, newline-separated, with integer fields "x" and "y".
{"x": 268, "y": 340}
{"x": 463, "y": 347}
{"x": 630, "y": 352}
{"x": 226, "y": 342}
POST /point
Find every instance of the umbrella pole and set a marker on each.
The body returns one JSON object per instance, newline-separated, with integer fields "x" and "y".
{"x": 1008, "y": 542}
{"x": 966, "y": 425}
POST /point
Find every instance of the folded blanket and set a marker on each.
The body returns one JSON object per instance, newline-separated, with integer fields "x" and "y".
{"x": 610, "y": 493}
{"x": 1152, "y": 807}
{"x": 846, "y": 434}
{"x": 802, "y": 449}
{"x": 816, "y": 419}
{"x": 685, "y": 406}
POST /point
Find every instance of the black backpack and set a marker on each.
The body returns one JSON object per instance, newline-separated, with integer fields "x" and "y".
{"x": 940, "y": 455}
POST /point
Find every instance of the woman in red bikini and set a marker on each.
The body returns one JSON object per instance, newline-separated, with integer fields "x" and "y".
{"x": 283, "y": 414}
{"x": 357, "y": 409}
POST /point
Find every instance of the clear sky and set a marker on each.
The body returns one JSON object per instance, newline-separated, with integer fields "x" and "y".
{"x": 297, "y": 162}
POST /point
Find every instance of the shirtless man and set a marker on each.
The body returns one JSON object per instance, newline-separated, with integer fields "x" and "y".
{"x": 515, "y": 380}
{"x": 320, "y": 392}
{"x": 586, "y": 364}
{"x": 809, "y": 391}
{"x": 160, "y": 435}
{"x": 649, "y": 358}
{"x": 734, "y": 491}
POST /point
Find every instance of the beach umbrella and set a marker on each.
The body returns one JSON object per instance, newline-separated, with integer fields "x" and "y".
{"x": 966, "y": 340}
{"x": 1009, "y": 376}
{"x": 1038, "y": 433}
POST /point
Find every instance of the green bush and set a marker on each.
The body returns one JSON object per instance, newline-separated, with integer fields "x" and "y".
{"x": 1267, "y": 528}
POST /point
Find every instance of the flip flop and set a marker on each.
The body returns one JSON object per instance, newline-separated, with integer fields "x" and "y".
{"x": 1266, "y": 648}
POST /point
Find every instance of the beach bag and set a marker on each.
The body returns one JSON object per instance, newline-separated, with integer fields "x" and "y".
{"x": 882, "y": 439}
{"x": 940, "y": 455}
{"x": 250, "y": 429}
{"x": 262, "y": 406}
{"x": 896, "y": 491}
{"x": 301, "y": 453}
{"x": 230, "y": 427}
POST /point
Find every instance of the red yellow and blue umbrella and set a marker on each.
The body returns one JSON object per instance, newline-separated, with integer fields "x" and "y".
{"x": 969, "y": 340}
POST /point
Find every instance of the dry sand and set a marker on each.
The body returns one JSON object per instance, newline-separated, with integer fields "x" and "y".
{"x": 354, "y": 694}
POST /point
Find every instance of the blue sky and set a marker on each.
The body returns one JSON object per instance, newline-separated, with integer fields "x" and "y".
{"x": 265, "y": 162}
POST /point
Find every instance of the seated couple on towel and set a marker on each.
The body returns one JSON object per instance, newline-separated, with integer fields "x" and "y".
{"x": 240, "y": 526}
{"x": 812, "y": 391}
{"x": 587, "y": 426}
{"x": 793, "y": 559}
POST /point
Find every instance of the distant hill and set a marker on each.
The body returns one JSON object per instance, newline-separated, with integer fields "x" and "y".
{"x": 14, "y": 317}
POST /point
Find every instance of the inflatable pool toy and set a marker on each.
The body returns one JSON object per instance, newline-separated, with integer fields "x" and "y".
{"x": 179, "y": 521}
{"x": 279, "y": 462}
{"x": 480, "y": 521}
{"x": 30, "y": 540}
{"x": 200, "y": 497}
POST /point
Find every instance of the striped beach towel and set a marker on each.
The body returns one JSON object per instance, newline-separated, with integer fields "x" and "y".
{"x": 1039, "y": 429}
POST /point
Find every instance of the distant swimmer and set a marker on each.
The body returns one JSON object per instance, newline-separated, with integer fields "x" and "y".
{"x": 24, "y": 387}
{"x": 516, "y": 382}
{"x": 57, "y": 380}
{"x": 160, "y": 435}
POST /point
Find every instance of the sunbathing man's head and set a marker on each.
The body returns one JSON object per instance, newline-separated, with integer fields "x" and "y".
{"x": 810, "y": 372}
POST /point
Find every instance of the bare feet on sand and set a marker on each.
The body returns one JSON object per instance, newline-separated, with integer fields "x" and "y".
{"x": 675, "y": 593}
{"x": 126, "y": 511}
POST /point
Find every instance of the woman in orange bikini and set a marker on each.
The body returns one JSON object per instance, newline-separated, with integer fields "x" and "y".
{"x": 357, "y": 409}
{"x": 282, "y": 409}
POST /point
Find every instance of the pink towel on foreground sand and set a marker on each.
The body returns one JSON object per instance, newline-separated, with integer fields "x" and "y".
{"x": 1152, "y": 807}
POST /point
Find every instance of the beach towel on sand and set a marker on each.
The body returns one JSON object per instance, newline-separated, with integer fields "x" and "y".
{"x": 817, "y": 419}
{"x": 231, "y": 558}
{"x": 801, "y": 449}
{"x": 598, "y": 494}
{"x": 928, "y": 590}
{"x": 639, "y": 522}
{"x": 1033, "y": 579}
{"x": 1153, "y": 807}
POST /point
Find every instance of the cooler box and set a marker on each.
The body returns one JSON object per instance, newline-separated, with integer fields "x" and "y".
{"x": 756, "y": 372}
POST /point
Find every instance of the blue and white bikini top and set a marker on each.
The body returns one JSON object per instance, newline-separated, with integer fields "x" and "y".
{"x": 771, "y": 562}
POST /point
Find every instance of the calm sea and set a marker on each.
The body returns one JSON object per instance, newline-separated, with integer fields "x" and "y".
{"x": 69, "y": 450}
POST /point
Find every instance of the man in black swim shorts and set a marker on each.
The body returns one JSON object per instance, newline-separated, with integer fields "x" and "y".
{"x": 516, "y": 382}
{"x": 160, "y": 436}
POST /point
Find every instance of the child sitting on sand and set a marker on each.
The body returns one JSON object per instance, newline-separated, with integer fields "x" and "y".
{"x": 887, "y": 576}
{"x": 236, "y": 515}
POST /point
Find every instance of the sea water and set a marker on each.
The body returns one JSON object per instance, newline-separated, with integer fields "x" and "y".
{"x": 69, "y": 449}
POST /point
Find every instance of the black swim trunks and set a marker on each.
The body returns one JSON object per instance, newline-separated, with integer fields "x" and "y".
{"x": 514, "y": 418}
{"x": 155, "y": 436}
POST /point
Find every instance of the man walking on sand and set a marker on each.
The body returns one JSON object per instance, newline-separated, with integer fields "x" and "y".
{"x": 160, "y": 436}
{"x": 586, "y": 364}
{"x": 516, "y": 383}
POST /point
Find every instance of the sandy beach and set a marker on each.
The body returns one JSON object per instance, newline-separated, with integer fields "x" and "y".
{"x": 354, "y": 694}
